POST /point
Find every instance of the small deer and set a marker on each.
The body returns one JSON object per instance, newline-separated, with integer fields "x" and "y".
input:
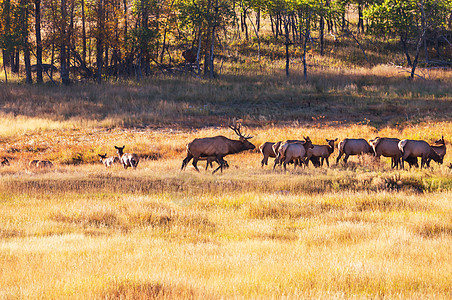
{"x": 108, "y": 162}
{"x": 127, "y": 159}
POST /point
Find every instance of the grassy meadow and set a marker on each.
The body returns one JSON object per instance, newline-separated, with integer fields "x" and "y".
{"x": 361, "y": 230}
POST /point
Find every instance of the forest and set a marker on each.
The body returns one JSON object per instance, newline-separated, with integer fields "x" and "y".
{"x": 109, "y": 39}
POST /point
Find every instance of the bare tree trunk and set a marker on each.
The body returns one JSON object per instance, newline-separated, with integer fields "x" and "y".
{"x": 421, "y": 39}
{"x": 212, "y": 48}
{"x": 287, "y": 43}
{"x": 39, "y": 78}
{"x": 405, "y": 49}
{"x": 305, "y": 44}
{"x": 26, "y": 47}
{"x": 83, "y": 33}
{"x": 99, "y": 40}
{"x": 64, "y": 71}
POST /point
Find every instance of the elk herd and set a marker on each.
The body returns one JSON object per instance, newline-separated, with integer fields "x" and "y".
{"x": 301, "y": 152}
{"x": 298, "y": 152}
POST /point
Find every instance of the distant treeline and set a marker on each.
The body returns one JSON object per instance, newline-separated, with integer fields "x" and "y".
{"x": 94, "y": 39}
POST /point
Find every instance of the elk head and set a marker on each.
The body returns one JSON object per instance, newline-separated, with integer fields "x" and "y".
{"x": 120, "y": 150}
{"x": 244, "y": 139}
{"x": 102, "y": 156}
{"x": 308, "y": 142}
{"x": 440, "y": 141}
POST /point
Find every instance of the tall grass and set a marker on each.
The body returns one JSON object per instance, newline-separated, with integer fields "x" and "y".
{"x": 360, "y": 230}
{"x": 89, "y": 232}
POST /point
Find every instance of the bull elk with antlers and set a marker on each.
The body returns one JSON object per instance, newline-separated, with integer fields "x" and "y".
{"x": 217, "y": 147}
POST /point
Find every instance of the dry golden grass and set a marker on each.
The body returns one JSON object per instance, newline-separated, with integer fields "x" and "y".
{"x": 361, "y": 230}
{"x": 85, "y": 231}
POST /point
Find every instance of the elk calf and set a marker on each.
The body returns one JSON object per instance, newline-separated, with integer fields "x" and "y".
{"x": 127, "y": 159}
{"x": 321, "y": 151}
{"x": 108, "y": 162}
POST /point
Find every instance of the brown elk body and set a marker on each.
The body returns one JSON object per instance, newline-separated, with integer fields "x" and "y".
{"x": 267, "y": 151}
{"x": 127, "y": 159}
{"x": 387, "y": 147}
{"x": 295, "y": 152}
{"x": 108, "y": 162}
{"x": 280, "y": 149}
{"x": 321, "y": 151}
{"x": 218, "y": 147}
{"x": 418, "y": 148}
{"x": 353, "y": 147}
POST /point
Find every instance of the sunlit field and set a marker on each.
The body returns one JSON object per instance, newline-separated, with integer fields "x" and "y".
{"x": 358, "y": 230}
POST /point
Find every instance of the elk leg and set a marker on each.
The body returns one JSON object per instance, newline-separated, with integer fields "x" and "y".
{"x": 339, "y": 157}
{"x": 186, "y": 161}
{"x": 346, "y": 158}
{"x": 221, "y": 163}
{"x": 278, "y": 157}
{"x": 195, "y": 163}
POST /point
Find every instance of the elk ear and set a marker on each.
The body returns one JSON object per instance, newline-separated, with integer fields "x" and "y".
{"x": 116, "y": 147}
{"x": 335, "y": 139}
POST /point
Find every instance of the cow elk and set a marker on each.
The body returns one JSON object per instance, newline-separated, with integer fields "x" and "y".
{"x": 280, "y": 149}
{"x": 267, "y": 151}
{"x": 127, "y": 159}
{"x": 295, "y": 152}
{"x": 418, "y": 148}
{"x": 108, "y": 162}
{"x": 353, "y": 147}
{"x": 387, "y": 147}
{"x": 320, "y": 151}
{"x": 217, "y": 147}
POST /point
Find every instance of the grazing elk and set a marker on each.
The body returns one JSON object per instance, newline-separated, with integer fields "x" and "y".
{"x": 108, "y": 162}
{"x": 387, "y": 147}
{"x": 418, "y": 148}
{"x": 440, "y": 148}
{"x": 127, "y": 159}
{"x": 218, "y": 147}
{"x": 353, "y": 147}
{"x": 321, "y": 151}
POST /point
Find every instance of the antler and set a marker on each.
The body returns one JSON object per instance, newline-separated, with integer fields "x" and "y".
{"x": 236, "y": 126}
